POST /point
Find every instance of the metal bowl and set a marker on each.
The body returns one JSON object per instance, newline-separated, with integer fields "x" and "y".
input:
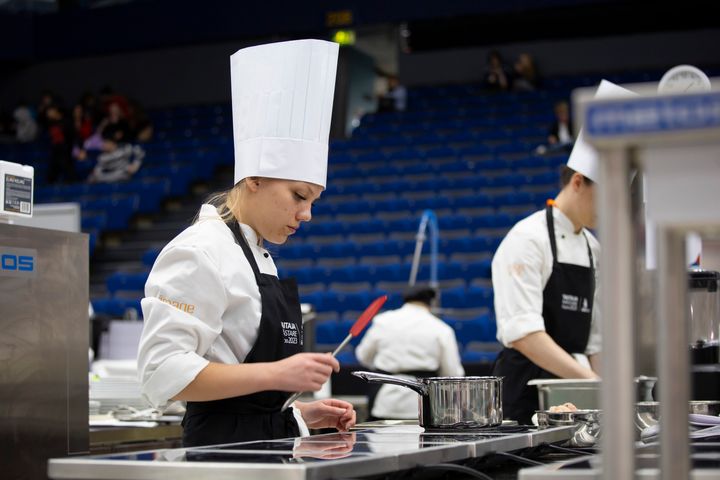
{"x": 586, "y": 422}
{"x": 647, "y": 414}
{"x": 705, "y": 407}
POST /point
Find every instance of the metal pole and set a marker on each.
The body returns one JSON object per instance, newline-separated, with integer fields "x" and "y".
{"x": 616, "y": 289}
{"x": 673, "y": 354}
{"x": 428, "y": 218}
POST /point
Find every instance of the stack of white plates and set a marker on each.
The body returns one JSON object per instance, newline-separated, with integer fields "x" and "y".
{"x": 114, "y": 392}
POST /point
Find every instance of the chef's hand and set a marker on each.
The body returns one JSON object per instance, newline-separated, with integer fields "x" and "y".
{"x": 327, "y": 413}
{"x": 331, "y": 447}
{"x": 303, "y": 372}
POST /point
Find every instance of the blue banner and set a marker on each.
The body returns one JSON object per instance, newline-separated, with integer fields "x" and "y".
{"x": 653, "y": 115}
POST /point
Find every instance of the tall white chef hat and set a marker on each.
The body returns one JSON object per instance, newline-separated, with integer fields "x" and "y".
{"x": 282, "y": 96}
{"x": 584, "y": 158}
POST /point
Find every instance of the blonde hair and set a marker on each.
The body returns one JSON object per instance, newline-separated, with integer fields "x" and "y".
{"x": 226, "y": 202}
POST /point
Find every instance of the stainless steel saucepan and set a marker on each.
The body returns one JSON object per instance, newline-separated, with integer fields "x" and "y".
{"x": 451, "y": 402}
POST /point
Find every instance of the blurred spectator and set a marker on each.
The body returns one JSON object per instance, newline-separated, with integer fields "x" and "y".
{"x": 115, "y": 126}
{"x": 82, "y": 124}
{"x": 141, "y": 129}
{"x": 560, "y": 135}
{"x": 26, "y": 127}
{"x": 561, "y": 131}
{"x": 92, "y": 107}
{"x": 108, "y": 96}
{"x": 497, "y": 75}
{"x": 47, "y": 98}
{"x": 395, "y": 99}
{"x": 59, "y": 128}
{"x": 118, "y": 162}
{"x": 525, "y": 76}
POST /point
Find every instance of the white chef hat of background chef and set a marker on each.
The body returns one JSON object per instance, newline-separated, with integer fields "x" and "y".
{"x": 282, "y": 96}
{"x": 584, "y": 158}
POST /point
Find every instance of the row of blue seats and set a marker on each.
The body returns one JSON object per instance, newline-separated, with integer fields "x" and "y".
{"x": 410, "y": 224}
{"x": 472, "y": 297}
{"x": 373, "y": 274}
{"x": 491, "y": 143}
{"x": 468, "y": 117}
{"x": 448, "y": 131}
{"x": 347, "y": 356}
{"x": 481, "y": 329}
{"x": 342, "y": 249}
{"x": 455, "y": 298}
{"x": 372, "y": 151}
{"x": 327, "y": 334}
{"x": 346, "y": 249}
{"x": 487, "y": 173}
{"x": 353, "y": 273}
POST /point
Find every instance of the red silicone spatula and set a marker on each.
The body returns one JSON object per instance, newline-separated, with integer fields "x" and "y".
{"x": 355, "y": 330}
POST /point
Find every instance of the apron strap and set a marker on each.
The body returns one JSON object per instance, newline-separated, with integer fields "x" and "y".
{"x": 553, "y": 244}
{"x": 242, "y": 241}
{"x": 551, "y": 231}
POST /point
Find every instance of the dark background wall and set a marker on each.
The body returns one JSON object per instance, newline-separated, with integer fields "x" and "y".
{"x": 164, "y": 52}
{"x": 646, "y": 51}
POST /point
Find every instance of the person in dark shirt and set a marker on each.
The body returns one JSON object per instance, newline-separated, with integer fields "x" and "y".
{"x": 60, "y": 131}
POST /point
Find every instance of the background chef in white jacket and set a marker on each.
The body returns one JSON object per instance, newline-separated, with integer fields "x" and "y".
{"x": 409, "y": 341}
{"x": 221, "y": 331}
{"x": 544, "y": 276}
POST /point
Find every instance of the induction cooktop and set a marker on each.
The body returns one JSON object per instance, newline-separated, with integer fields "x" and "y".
{"x": 319, "y": 457}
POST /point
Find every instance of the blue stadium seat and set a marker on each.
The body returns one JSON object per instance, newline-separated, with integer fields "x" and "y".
{"x": 328, "y": 333}
{"x": 478, "y": 357}
{"x": 126, "y": 281}
{"x": 149, "y": 257}
{"x": 477, "y": 269}
{"x": 308, "y": 275}
{"x": 393, "y": 273}
{"x": 351, "y": 274}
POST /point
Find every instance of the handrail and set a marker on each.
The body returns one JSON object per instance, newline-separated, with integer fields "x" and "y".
{"x": 428, "y": 218}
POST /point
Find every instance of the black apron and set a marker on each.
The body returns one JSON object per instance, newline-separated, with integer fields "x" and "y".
{"x": 567, "y": 312}
{"x": 256, "y": 416}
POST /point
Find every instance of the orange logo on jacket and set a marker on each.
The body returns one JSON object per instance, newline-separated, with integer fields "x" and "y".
{"x": 185, "y": 307}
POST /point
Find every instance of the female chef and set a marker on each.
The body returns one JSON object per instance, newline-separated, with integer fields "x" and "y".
{"x": 221, "y": 331}
{"x": 544, "y": 276}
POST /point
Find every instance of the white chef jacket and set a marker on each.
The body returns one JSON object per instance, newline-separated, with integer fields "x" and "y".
{"x": 202, "y": 304}
{"x": 522, "y": 266}
{"x": 407, "y": 339}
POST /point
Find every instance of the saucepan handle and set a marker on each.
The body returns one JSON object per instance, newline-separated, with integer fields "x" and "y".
{"x": 382, "y": 378}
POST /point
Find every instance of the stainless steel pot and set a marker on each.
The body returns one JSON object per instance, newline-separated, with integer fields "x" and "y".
{"x": 586, "y": 422}
{"x": 451, "y": 402}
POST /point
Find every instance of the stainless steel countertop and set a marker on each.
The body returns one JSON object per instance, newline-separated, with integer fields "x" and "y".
{"x": 647, "y": 466}
{"x": 359, "y": 453}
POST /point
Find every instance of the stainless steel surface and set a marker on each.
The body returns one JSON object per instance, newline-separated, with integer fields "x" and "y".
{"x": 673, "y": 369}
{"x": 590, "y": 468}
{"x": 678, "y": 154}
{"x": 704, "y": 301}
{"x": 617, "y": 297}
{"x": 451, "y": 402}
{"x": 704, "y": 407}
{"x": 586, "y": 425}
{"x": 584, "y": 394}
{"x": 647, "y": 414}
{"x": 357, "y": 454}
{"x": 43, "y": 350}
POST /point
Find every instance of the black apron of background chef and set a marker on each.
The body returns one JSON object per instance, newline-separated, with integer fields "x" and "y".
{"x": 567, "y": 312}
{"x": 256, "y": 416}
